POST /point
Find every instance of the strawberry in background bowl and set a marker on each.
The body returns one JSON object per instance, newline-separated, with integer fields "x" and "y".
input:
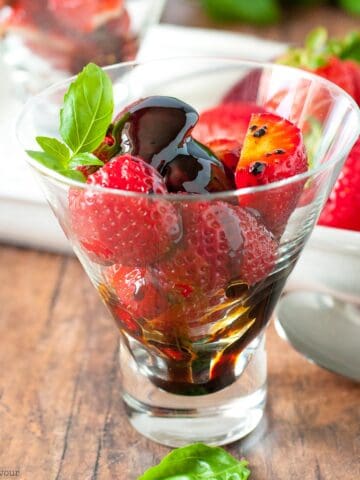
{"x": 339, "y": 62}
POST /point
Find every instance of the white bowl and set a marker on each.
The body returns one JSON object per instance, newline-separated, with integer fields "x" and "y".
{"x": 319, "y": 313}
{"x": 330, "y": 263}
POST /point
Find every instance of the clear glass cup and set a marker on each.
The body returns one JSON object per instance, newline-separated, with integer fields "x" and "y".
{"x": 48, "y": 40}
{"x": 192, "y": 359}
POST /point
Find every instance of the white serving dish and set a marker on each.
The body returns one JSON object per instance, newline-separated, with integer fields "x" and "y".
{"x": 330, "y": 264}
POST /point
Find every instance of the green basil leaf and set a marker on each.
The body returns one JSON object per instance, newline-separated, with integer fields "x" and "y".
{"x": 55, "y": 148}
{"x": 87, "y": 110}
{"x": 44, "y": 158}
{"x": 198, "y": 462}
{"x": 73, "y": 174}
{"x": 84, "y": 159}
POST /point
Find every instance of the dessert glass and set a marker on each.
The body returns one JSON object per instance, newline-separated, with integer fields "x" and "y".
{"x": 45, "y": 41}
{"x": 196, "y": 370}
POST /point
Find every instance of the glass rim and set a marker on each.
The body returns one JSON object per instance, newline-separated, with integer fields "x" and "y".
{"x": 58, "y": 178}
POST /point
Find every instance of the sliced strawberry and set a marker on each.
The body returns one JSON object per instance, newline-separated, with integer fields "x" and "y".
{"x": 228, "y": 121}
{"x": 86, "y": 15}
{"x": 342, "y": 209}
{"x": 273, "y": 150}
{"x": 118, "y": 228}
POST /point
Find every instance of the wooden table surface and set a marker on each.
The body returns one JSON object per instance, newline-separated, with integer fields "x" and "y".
{"x": 61, "y": 416}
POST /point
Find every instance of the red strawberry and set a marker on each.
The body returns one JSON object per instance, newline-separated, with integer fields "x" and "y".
{"x": 86, "y": 15}
{"x": 246, "y": 89}
{"x": 221, "y": 242}
{"x": 228, "y": 151}
{"x": 150, "y": 299}
{"x": 119, "y": 228}
{"x": 27, "y": 13}
{"x": 355, "y": 67}
{"x": 341, "y": 72}
{"x": 273, "y": 150}
{"x": 342, "y": 209}
{"x": 228, "y": 121}
{"x": 333, "y": 59}
{"x": 39, "y": 31}
{"x": 138, "y": 291}
{"x": 316, "y": 102}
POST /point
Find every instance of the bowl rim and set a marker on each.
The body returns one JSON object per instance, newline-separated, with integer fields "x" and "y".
{"x": 65, "y": 181}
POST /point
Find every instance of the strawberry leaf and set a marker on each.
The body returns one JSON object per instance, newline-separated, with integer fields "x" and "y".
{"x": 55, "y": 148}
{"x": 84, "y": 159}
{"x": 316, "y": 40}
{"x": 350, "y": 48}
{"x": 87, "y": 110}
{"x": 319, "y": 49}
{"x": 198, "y": 461}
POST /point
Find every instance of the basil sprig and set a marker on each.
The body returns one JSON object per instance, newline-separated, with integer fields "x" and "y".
{"x": 84, "y": 120}
{"x": 198, "y": 462}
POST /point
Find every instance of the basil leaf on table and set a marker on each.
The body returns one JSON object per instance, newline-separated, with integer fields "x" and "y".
{"x": 198, "y": 462}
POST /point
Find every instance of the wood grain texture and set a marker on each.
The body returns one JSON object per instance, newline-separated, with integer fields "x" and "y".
{"x": 61, "y": 416}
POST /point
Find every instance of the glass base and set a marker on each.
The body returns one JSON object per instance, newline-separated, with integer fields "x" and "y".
{"x": 215, "y": 419}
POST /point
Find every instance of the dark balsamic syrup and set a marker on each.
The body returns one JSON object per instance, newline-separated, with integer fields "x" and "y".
{"x": 158, "y": 130}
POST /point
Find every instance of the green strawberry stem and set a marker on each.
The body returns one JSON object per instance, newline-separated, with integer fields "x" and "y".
{"x": 105, "y": 151}
{"x": 319, "y": 48}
